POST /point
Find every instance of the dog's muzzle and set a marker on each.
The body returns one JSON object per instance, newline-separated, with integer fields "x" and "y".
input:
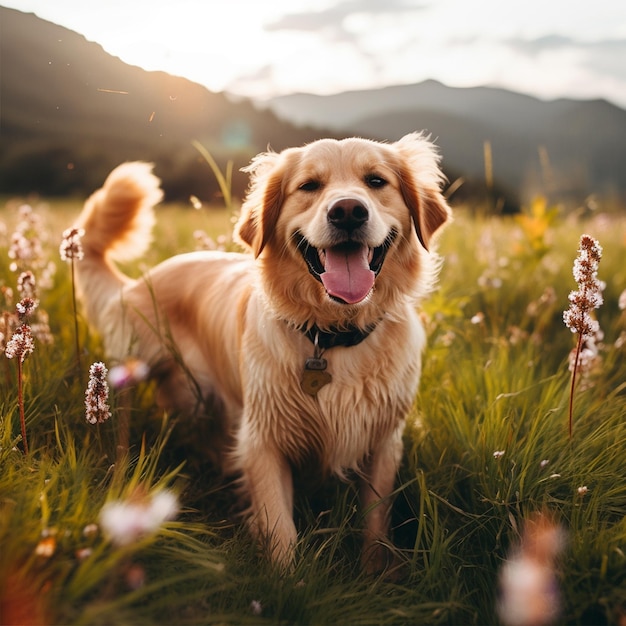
{"x": 347, "y": 269}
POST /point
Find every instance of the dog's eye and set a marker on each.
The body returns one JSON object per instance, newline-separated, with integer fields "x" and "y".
{"x": 310, "y": 185}
{"x": 374, "y": 181}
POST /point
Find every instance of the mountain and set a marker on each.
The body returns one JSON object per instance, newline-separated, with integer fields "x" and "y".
{"x": 70, "y": 112}
{"x": 566, "y": 148}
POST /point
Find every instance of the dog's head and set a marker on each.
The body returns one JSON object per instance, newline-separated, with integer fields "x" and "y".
{"x": 355, "y": 213}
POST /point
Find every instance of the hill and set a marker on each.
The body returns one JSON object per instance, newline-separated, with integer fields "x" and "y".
{"x": 567, "y": 147}
{"x": 70, "y": 112}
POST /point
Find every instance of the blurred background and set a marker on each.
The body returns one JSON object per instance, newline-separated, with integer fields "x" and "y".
{"x": 524, "y": 99}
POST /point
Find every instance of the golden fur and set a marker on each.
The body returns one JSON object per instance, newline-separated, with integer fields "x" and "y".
{"x": 228, "y": 327}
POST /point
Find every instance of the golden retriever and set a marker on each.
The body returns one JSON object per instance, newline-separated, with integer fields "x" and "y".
{"x": 309, "y": 342}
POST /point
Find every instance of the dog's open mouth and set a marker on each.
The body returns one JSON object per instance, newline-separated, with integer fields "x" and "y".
{"x": 347, "y": 270}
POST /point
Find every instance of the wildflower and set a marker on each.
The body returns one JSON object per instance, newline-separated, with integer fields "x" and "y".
{"x": 21, "y": 344}
{"x": 25, "y": 248}
{"x": 26, "y": 284}
{"x": 46, "y": 547}
{"x": 71, "y": 250}
{"x": 203, "y": 241}
{"x": 126, "y": 522}
{"x": 544, "y": 463}
{"x": 447, "y": 338}
{"x": 256, "y": 607}
{"x": 128, "y": 373}
{"x": 83, "y": 553}
{"x": 19, "y": 250}
{"x": 479, "y": 318}
{"x": 97, "y": 395}
{"x": 498, "y": 454}
{"x": 71, "y": 247}
{"x": 528, "y": 581}
{"x": 582, "y": 491}
{"x": 589, "y": 295}
{"x": 195, "y": 202}
{"x": 91, "y": 530}
{"x": 25, "y": 308}
{"x": 621, "y": 303}
{"x": 582, "y": 302}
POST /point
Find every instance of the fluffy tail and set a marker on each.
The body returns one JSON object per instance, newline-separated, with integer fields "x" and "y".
{"x": 117, "y": 221}
{"x": 118, "y": 218}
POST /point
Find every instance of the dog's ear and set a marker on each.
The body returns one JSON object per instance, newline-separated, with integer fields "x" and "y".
{"x": 261, "y": 207}
{"x": 420, "y": 182}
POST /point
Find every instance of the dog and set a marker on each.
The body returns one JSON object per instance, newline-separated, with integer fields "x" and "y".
{"x": 309, "y": 341}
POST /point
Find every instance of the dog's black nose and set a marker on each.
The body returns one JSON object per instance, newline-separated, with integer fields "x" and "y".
{"x": 348, "y": 214}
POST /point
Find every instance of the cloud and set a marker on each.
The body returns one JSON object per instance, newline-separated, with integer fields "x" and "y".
{"x": 332, "y": 17}
{"x": 541, "y": 44}
{"x": 606, "y": 59}
{"x": 602, "y": 57}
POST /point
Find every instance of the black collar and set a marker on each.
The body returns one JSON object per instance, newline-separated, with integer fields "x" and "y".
{"x": 333, "y": 337}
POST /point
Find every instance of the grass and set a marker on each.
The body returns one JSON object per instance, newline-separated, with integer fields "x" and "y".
{"x": 495, "y": 381}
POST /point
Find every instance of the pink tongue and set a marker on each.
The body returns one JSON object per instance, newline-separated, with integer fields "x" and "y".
{"x": 348, "y": 275}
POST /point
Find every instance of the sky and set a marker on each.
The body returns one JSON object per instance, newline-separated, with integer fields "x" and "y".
{"x": 261, "y": 49}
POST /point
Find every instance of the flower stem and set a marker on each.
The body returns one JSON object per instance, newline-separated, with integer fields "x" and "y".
{"x": 75, "y": 317}
{"x": 20, "y": 402}
{"x": 579, "y": 346}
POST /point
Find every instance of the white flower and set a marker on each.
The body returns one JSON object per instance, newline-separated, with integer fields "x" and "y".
{"x": 498, "y": 454}
{"x": 91, "y": 530}
{"x": 97, "y": 395}
{"x": 529, "y": 596}
{"x": 71, "y": 247}
{"x": 589, "y": 295}
{"x": 126, "y": 522}
{"x": 128, "y": 373}
{"x": 26, "y": 285}
{"x": 479, "y": 318}
{"x": 25, "y": 308}
{"x": 528, "y": 580}
{"x": 21, "y": 344}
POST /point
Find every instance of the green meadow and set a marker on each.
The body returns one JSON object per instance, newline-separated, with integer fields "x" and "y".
{"x": 487, "y": 451}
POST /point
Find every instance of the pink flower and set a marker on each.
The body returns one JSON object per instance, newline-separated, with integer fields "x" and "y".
{"x": 25, "y": 308}
{"x": 97, "y": 395}
{"x": 589, "y": 295}
{"x": 21, "y": 344}
{"x": 26, "y": 284}
{"x": 130, "y": 372}
{"x": 126, "y": 522}
{"x": 71, "y": 247}
{"x": 528, "y": 581}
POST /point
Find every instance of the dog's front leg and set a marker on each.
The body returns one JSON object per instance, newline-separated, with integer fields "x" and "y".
{"x": 377, "y": 484}
{"x": 268, "y": 479}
